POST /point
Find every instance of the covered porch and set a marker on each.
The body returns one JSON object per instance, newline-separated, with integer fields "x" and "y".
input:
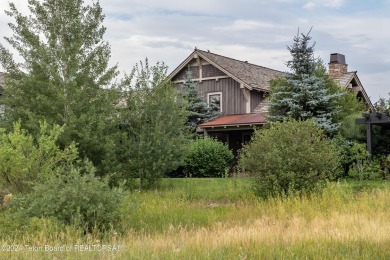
{"x": 233, "y": 130}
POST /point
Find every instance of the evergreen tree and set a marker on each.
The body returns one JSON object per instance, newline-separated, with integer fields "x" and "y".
{"x": 198, "y": 110}
{"x": 64, "y": 76}
{"x": 304, "y": 93}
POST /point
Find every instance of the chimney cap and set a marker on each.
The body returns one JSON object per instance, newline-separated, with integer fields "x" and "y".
{"x": 337, "y": 58}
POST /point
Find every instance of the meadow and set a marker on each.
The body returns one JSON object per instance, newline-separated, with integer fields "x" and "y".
{"x": 222, "y": 219}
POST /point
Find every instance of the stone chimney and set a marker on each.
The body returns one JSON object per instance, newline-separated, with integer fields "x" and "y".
{"x": 337, "y": 65}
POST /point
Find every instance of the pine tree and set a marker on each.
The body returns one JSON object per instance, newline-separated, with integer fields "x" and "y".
{"x": 304, "y": 93}
{"x": 64, "y": 76}
{"x": 198, "y": 110}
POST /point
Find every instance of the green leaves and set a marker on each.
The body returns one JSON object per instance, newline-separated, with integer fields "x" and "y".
{"x": 25, "y": 161}
{"x": 64, "y": 76}
{"x": 207, "y": 157}
{"x": 76, "y": 197}
{"x": 153, "y": 127}
{"x": 289, "y": 156}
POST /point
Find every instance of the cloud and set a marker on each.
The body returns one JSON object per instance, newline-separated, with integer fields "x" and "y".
{"x": 158, "y": 42}
{"x": 246, "y": 25}
{"x": 321, "y": 3}
{"x": 253, "y": 30}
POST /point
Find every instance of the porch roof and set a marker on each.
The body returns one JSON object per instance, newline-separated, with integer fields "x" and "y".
{"x": 235, "y": 120}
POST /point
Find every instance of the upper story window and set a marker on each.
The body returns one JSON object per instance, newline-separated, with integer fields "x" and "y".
{"x": 215, "y": 99}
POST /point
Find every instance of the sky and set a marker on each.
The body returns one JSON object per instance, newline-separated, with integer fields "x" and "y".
{"x": 257, "y": 31}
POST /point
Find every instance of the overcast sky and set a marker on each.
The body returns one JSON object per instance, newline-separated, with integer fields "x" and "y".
{"x": 257, "y": 31}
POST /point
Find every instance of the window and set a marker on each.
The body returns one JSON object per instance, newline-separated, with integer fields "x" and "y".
{"x": 215, "y": 99}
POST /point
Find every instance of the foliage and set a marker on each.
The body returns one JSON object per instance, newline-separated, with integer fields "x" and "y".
{"x": 385, "y": 166}
{"x": 346, "y": 102}
{"x": 361, "y": 167}
{"x": 25, "y": 160}
{"x": 352, "y": 131}
{"x": 345, "y": 220}
{"x": 348, "y": 155}
{"x": 153, "y": 125}
{"x": 78, "y": 198}
{"x": 64, "y": 76}
{"x": 207, "y": 157}
{"x": 198, "y": 110}
{"x": 288, "y": 157}
{"x": 304, "y": 93}
{"x": 381, "y": 134}
{"x": 382, "y": 105}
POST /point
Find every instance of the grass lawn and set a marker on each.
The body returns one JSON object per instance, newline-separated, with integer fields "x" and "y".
{"x": 222, "y": 219}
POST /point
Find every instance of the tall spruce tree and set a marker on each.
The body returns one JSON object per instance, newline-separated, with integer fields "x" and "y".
{"x": 64, "y": 75}
{"x": 198, "y": 110}
{"x": 304, "y": 93}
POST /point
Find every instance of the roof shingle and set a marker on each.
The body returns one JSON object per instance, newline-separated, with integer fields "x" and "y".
{"x": 254, "y": 76}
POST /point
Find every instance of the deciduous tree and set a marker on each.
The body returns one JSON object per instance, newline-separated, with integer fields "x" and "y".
{"x": 153, "y": 121}
{"x": 64, "y": 75}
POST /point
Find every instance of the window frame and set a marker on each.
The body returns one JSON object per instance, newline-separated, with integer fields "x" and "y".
{"x": 220, "y": 99}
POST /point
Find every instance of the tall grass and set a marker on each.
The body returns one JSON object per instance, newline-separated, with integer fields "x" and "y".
{"x": 221, "y": 219}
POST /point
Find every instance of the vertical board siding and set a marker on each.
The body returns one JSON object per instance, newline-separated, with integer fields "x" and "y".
{"x": 256, "y": 97}
{"x": 233, "y": 101}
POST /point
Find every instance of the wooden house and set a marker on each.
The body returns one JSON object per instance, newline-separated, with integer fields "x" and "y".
{"x": 240, "y": 90}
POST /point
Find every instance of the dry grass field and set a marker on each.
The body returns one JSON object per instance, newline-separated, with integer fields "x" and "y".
{"x": 222, "y": 219}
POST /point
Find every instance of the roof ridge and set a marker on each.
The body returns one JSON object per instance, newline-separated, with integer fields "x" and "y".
{"x": 245, "y": 62}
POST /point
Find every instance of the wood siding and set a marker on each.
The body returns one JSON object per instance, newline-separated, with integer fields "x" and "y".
{"x": 211, "y": 71}
{"x": 182, "y": 74}
{"x": 256, "y": 97}
{"x": 233, "y": 101}
{"x": 208, "y": 71}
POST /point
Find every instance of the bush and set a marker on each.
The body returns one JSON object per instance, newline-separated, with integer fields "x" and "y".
{"x": 25, "y": 160}
{"x": 78, "y": 198}
{"x": 207, "y": 157}
{"x": 289, "y": 157}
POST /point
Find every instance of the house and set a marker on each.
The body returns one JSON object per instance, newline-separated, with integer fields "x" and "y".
{"x": 338, "y": 70}
{"x": 240, "y": 90}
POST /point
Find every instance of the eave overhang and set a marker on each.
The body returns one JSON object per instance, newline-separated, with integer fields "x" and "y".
{"x": 196, "y": 54}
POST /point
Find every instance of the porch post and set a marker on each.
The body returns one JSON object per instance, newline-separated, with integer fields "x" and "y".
{"x": 369, "y": 139}
{"x": 205, "y": 133}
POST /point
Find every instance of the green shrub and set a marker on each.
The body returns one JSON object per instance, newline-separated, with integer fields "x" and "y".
{"x": 361, "y": 168}
{"x": 289, "y": 157}
{"x": 207, "y": 157}
{"x": 25, "y": 160}
{"x": 78, "y": 198}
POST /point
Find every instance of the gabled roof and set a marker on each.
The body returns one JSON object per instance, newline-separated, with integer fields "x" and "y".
{"x": 249, "y": 75}
{"x": 347, "y": 78}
